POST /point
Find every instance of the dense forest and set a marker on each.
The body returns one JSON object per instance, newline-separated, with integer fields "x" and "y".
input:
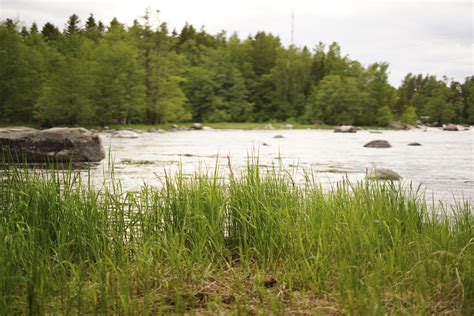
{"x": 96, "y": 74}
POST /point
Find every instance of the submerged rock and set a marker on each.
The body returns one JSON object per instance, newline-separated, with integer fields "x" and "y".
{"x": 379, "y": 143}
{"x": 125, "y": 134}
{"x": 278, "y": 136}
{"x": 54, "y": 144}
{"x": 345, "y": 129}
{"x": 414, "y": 144}
{"x": 450, "y": 128}
{"x": 384, "y": 174}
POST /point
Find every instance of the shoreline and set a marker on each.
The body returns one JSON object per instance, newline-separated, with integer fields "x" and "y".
{"x": 184, "y": 126}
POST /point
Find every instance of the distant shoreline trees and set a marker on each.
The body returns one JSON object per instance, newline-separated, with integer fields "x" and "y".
{"x": 94, "y": 74}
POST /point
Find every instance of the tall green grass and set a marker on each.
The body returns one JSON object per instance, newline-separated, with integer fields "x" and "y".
{"x": 252, "y": 242}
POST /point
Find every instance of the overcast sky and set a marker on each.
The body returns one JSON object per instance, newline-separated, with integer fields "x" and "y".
{"x": 413, "y": 36}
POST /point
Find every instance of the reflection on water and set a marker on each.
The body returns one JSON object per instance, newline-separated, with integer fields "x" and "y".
{"x": 443, "y": 164}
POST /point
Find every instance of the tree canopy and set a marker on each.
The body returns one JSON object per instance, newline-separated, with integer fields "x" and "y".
{"x": 91, "y": 73}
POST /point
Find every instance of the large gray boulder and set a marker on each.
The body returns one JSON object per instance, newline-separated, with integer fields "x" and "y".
{"x": 54, "y": 144}
{"x": 379, "y": 143}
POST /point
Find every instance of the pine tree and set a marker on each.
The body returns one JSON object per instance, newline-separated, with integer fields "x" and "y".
{"x": 72, "y": 25}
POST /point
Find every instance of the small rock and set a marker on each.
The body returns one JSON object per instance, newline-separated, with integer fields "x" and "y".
{"x": 125, "y": 134}
{"x": 375, "y": 132}
{"x": 278, "y": 136}
{"x": 345, "y": 129}
{"x": 196, "y": 126}
{"x": 379, "y": 143}
{"x": 414, "y": 144}
{"x": 265, "y": 144}
{"x": 154, "y": 130}
{"x": 400, "y": 125}
{"x": 450, "y": 128}
{"x": 385, "y": 174}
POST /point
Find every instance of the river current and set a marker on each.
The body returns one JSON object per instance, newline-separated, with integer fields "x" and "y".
{"x": 443, "y": 165}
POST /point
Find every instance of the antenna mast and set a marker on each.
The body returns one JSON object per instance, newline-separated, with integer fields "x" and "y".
{"x": 292, "y": 26}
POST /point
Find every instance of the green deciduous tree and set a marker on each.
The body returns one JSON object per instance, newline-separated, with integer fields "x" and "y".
{"x": 337, "y": 100}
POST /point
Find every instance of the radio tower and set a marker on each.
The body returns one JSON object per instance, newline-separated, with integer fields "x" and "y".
{"x": 292, "y": 26}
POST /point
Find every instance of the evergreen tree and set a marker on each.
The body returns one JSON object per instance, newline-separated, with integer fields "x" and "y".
{"x": 72, "y": 25}
{"x": 50, "y": 32}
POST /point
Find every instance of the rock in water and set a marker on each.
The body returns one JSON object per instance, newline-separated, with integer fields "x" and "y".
{"x": 450, "y": 128}
{"x": 384, "y": 174}
{"x": 54, "y": 144}
{"x": 345, "y": 129}
{"x": 414, "y": 144}
{"x": 400, "y": 125}
{"x": 125, "y": 134}
{"x": 278, "y": 136}
{"x": 196, "y": 126}
{"x": 379, "y": 143}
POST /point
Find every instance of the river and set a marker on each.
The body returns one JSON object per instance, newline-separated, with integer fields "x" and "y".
{"x": 443, "y": 164}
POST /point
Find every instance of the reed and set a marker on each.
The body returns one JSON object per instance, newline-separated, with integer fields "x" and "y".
{"x": 248, "y": 242}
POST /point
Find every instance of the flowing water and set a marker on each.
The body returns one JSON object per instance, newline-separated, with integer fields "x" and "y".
{"x": 443, "y": 165}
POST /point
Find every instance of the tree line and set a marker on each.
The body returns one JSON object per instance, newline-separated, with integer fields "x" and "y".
{"x": 93, "y": 74}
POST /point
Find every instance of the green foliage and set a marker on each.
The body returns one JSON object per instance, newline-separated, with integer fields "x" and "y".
{"x": 65, "y": 96}
{"x": 384, "y": 116}
{"x": 337, "y": 100}
{"x": 119, "y": 81}
{"x": 203, "y": 243}
{"x": 145, "y": 74}
{"x": 409, "y": 116}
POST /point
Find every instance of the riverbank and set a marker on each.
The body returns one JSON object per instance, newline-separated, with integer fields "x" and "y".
{"x": 232, "y": 125}
{"x": 253, "y": 243}
{"x": 222, "y": 125}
